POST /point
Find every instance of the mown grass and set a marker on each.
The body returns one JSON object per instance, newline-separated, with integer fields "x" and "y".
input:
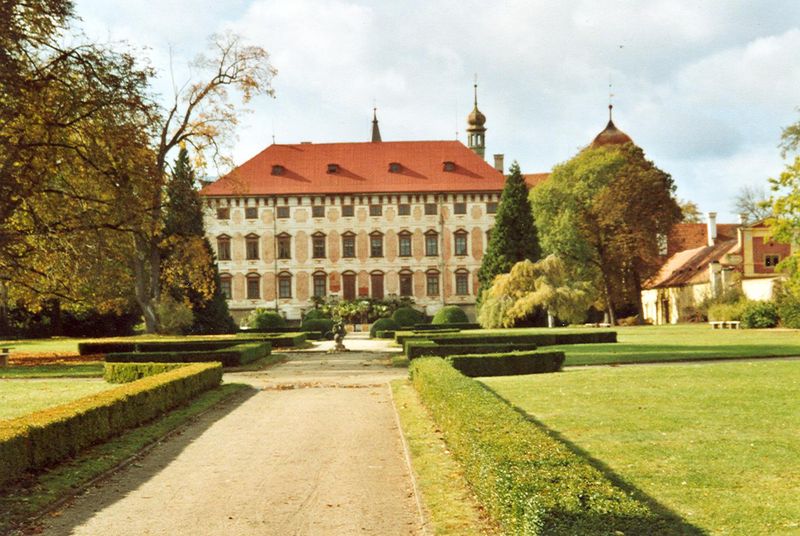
{"x": 66, "y": 370}
{"x": 69, "y": 345}
{"x": 451, "y": 509}
{"x": 20, "y": 502}
{"x": 21, "y": 396}
{"x": 716, "y": 442}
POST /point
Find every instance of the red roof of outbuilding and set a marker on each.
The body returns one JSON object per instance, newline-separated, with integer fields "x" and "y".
{"x": 362, "y": 168}
{"x": 534, "y": 179}
{"x": 685, "y": 236}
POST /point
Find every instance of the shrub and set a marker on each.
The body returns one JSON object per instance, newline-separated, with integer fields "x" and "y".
{"x": 130, "y": 372}
{"x": 529, "y": 482}
{"x": 507, "y": 364}
{"x": 233, "y": 356}
{"x": 542, "y": 338}
{"x": 726, "y": 311}
{"x": 314, "y": 314}
{"x": 788, "y": 307}
{"x": 450, "y": 314}
{"x": 385, "y": 334}
{"x": 760, "y": 314}
{"x": 382, "y": 324}
{"x": 265, "y": 318}
{"x": 415, "y": 349}
{"x": 277, "y": 340}
{"x": 456, "y": 326}
{"x": 46, "y": 437}
{"x": 175, "y": 317}
{"x": 406, "y": 317}
{"x": 323, "y": 325}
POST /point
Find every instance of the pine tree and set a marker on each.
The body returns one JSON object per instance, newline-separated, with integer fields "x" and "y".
{"x": 184, "y": 243}
{"x": 513, "y": 236}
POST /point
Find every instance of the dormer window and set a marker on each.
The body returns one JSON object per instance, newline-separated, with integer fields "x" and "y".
{"x": 277, "y": 169}
{"x": 333, "y": 168}
{"x": 394, "y": 167}
{"x": 448, "y": 165}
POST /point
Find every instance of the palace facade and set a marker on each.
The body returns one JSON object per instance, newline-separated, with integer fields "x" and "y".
{"x": 353, "y": 220}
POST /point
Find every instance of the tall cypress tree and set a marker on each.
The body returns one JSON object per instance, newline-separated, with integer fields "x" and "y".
{"x": 183, "y": 221}
{"x": 513, "y": 236}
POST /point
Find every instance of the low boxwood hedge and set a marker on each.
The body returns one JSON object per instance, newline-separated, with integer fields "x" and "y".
{"x": 385, "y": 334}
{"x": 130, "y": 372}
{"x": 544, "y": 338}
{"x": 46, "y": 437}
{"x": 382, "y": 324}
{"x": 455, "y": 325}
{"x": 415, "y": 349}
{"x": 507, "y": 364}
{"x": 233, "y": 356}
{"x": 278, "y": 340}
{"x": 178, "y": 345}
{"x": 529, "y": 482}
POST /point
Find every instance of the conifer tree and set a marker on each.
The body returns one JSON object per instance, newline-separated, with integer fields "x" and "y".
{"x": 513, "y": 236}
{"x": 190, "y": 269}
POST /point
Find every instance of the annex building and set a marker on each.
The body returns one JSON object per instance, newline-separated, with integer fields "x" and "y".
{"x": 362, "y": 219}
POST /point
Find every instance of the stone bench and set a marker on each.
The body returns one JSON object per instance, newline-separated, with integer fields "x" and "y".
{"x": 725, "y": 324}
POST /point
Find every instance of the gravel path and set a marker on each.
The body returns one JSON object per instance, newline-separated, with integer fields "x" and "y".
{"x": 314, "y": 450}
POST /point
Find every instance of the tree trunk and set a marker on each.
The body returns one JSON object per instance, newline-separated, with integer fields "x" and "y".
{"x": 612, "y": 318}
{"x": 4, "y": 323}
{"x": 147, "y": 271}
{"x": 637, "y": 283}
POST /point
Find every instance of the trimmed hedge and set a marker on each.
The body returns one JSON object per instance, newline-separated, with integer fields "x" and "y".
{"x": 130, "y": 372}
{"x": 278, "y": 340}
{"x": 453, "y": 325}
{"x": 401, "y": 336}
{"x": 507, "y": 364}
{"x": 382, "y": 324}
{"x": 529, "y": 482}
{"x": 93, "y": 348}
{"x": 178, "y": 345}
{"x": 450, "y": 314}
{"x": 542, "y": 338}
{"x": 234, "y": 356}
{"x": 407, "y": 317}
{"x": 323, "y": 325}
{"x": 46, "y": 437}
{"x": 415, "y": 349}
{"x": 385, "y": 334}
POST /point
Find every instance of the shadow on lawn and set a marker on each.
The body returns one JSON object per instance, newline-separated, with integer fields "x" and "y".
{"x": 669, "y": 523}
{"x": 115, "y": 484}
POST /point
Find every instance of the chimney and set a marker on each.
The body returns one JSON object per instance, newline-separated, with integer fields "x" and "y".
{"x": 712, "y": 228}
{"x": 742, "y": 219}
{"x": 498, "y": 162}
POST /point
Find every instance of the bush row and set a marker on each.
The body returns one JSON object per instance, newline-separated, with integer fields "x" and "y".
{"x": 130, "y": 372}
{"x": 400, "y": 337}
{"x": 278, "y": 340}
{"x": 507, "y": 364}
{"x": 415, "y": 349}
{"x": 234, "y": 356}
{"x": 528, "y": 481}
{"x": 46, "y": 437}
{"x": 385, "y": 334}
{"x": 543, "y": 338}
{"x": 453, "y": 325}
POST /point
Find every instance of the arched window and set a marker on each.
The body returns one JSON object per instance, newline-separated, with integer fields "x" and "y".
{"x": 253, "y": 286}
{"x": 376, "y": 282}
{"x": 431, "y": 243}
{"x": 432, "y": 283}
{"x": 251, "y": 247}
{"x": 348, "y": 245}
{"x": 284, "y": 285}
{"x": 406, "y": 283}
{"x": 404, "y": 243}
{"x": 376, "y": 244}
{"x": 224, "y": 247}
{"x": 284, "y": 246}
{"x": 320, "y": 284}
{"x": 318, "y": 245}
{"x": 225, "y": 285}
{"x": 460, "y": 243}
{"x": 462, "y": 282}
{"x": 349, "y": 285}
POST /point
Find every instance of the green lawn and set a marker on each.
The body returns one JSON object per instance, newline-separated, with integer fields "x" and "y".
{"x": 20, "y": 397}
{"x": 684, "y": 342}
{"x": 69, "y": 346}
{"x": 718, "y": 443}
{"x": 92, "y": 369}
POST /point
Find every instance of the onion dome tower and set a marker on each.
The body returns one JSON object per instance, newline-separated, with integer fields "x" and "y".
{"x": 476, "y": 132}
{"x": 611, "y": 135}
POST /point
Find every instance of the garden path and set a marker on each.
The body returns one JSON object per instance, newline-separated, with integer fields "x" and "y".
{"x": 316, "y": 450}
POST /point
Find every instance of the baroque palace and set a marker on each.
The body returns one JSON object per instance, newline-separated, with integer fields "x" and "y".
{"x": 369, "y": 219}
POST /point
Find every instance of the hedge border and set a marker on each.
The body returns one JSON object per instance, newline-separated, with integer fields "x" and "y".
{"x": 416, "y": 349}
{"x": 233, "y": 356}
{"x": 46, "y": 437}
{"x": 529, "y": 482}
{"x": 507, "y": 364}
{"x": 130, "y": 372}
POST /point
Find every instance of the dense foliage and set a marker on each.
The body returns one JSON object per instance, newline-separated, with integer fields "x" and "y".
{"x": 507, "y": 364}
{"x": 406, "y": 317}
{"x": 450, "y": 314}
{"x": 760, "y": 314}
{"x": 265, "y": 319}
{"x": 383, "y": 324}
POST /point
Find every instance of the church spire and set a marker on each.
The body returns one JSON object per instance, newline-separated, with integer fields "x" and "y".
{"x": 476, "y": 132}
{"x": 376, "y": 133}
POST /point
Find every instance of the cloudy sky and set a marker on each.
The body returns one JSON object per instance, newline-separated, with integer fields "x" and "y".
{"x": 703, "y": 86}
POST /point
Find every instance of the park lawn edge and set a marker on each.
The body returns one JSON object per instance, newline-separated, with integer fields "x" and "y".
{"x": 451, "y": 508}
{"x": 24, "y": 503}
{"x": 93, "y": 369}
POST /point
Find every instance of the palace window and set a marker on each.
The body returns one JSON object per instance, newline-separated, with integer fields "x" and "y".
{"x": 376, "y": 245}
{"x": 376, "y": 281}
{"x": 253, "y": 286}
{"x": 318, "y": 211}
{"x": 348, "y": 246}
{"x": 432, "y": 283}
{"x": 430, "y": 209}
{"x": 284, "y": 246}
{"x": 347, "y": 211}
{"x": 460, "y": 243}
{"x": 404, "y": 209}
{"x": 375, "y": 210}
{"x": 284, "y": 285}
{"x": 225, "y": 286}
{"x": 251, "y": 247}
{"x": 318, "y": 246}
{"x": 320, "y": 285}
{"x": 251, "y": 213}
{"x": 406, "y": 284}
{"x": 462, "y": 283}
{"x": 283, "y": 212}
{"x": 404, "y": 243}
{"x": 771, "y": 260}
{"x": 349, "y": 286}
{"x": 223, "y": 213}
{"x": 224, "y": 248}
{"x": 491, "y": 208}
{"x": 459, "y": 208}
{"x": 431, "y": 244}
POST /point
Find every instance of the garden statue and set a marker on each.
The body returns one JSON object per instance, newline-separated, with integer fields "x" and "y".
{"x": 338, "y": 335}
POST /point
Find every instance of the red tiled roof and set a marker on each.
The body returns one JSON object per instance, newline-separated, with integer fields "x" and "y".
{"x": 685, "y": 236}
{"x": 690, "y": 266}
{"x": 362, "y": 168}
{"x": 534, "y": 179}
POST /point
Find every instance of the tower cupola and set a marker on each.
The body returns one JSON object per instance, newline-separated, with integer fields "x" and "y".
{"x": 476, "y": 132}
{"x": 611, "y": 135}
